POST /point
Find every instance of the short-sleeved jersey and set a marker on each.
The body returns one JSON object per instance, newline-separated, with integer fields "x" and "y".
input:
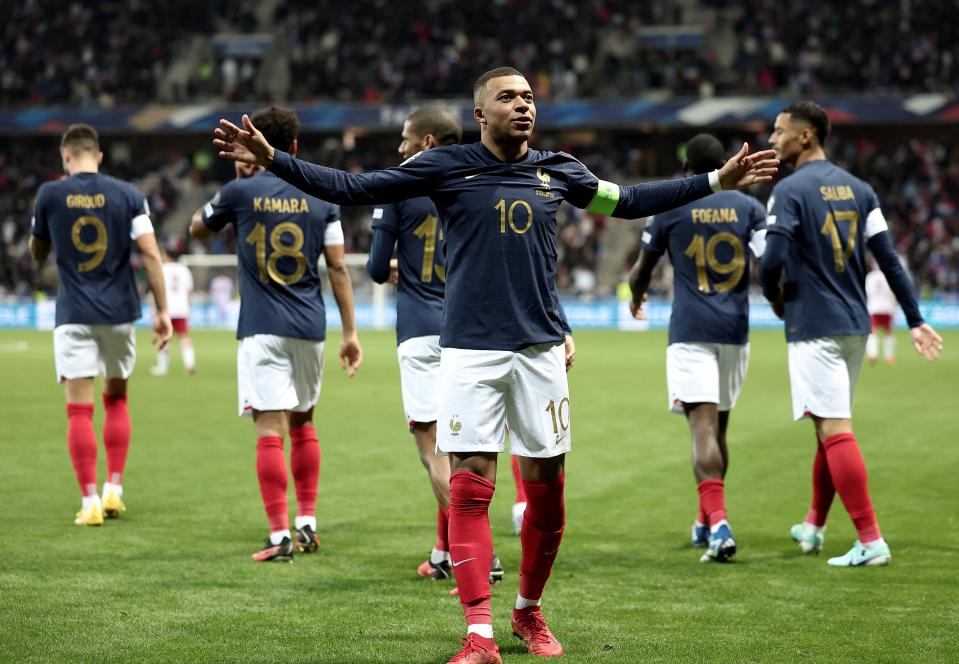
{"x": 178, "y": 281}
{"x": 500, "y": 230}
{"x": 708, "y": 243}
{"x": 420, "y": 251}
{"x": 280, "y": 235}
{"x": 828, "y": 214}
{"x": 91, "y": 220}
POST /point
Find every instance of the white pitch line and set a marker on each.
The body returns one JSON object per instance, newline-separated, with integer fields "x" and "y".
{"x": 14, "y": 347}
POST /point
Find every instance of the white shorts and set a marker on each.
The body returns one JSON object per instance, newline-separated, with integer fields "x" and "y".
{"x": 83, "y": 351}
{"x": 705, "y": 373}
{"x": 822, "y": 374}
{"x": 278, "y": 373}
{"x": 419, "y": 377}
{"x": 483, "y": 391}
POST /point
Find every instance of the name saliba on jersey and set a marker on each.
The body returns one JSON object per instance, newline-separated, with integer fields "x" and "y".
{"x": 284, "y": 205}
{"x": 842, "y": 192}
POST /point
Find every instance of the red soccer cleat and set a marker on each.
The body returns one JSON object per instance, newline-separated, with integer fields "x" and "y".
{"x": 529, "y": 625}
{"x": 477, "y": 650}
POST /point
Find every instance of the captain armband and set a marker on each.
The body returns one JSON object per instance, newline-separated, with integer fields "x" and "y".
{"x": 606, "y": 198}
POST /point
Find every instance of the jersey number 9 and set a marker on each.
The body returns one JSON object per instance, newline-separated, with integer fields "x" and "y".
{"x": 98, "y": 247}
{"x": 268, "y": 267}
{"x": 704, "y": 253}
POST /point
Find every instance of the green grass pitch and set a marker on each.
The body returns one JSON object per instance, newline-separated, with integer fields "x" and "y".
{"x": 173, "y": 581}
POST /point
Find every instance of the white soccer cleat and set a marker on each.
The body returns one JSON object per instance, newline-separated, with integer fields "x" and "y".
{"x": 860, "y": 556}
{"x": 810, "y": 541}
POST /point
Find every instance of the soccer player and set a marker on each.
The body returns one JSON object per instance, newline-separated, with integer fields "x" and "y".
{"x": 820, "y": 220}
{"x": 178, "y": 281}
{"x": 881, "y": 304}
{"x": 281, "y": 234}
{"x": 92, "y": 221}
{"x": 502, "y": 359}
{"x": 709, "y": 327}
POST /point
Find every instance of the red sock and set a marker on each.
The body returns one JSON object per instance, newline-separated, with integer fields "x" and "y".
{"x": 116, "y": 436}
{"x": 712, "y": 500}
{"x": 442, "y": 529}
{"x": 305, "y": 465}
{"x": 518, "y": 479}
{"x": 848, "y": 472}
{"x": 823, "y": 490}
{"x": 542, "y": 532}
{"x": 471, "y": 543}
{"x": 271, "y": 471}
{"x": 82, "y": 442}
{"x": 701, "y": 517}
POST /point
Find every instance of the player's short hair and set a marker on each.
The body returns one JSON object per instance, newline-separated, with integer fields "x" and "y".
{"x": 81, "y": 138}
{"x": 279, "y": 125}
{"x": 479, "y": 89}
{"x": 704, "y": 153}
{"x": 439, "y": 122}
{"x": 814, "y": 114}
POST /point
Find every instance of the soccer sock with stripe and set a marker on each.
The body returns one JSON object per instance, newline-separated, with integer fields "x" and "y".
{"x": 471, "y": 546}
{"x": 541, "y": 534}
{"x": 116, "y": 436}
{"x": 271, "y": 472}
{"x": 713, "y": 500}
{"x": 823, "y": 490}
{"x": 305, "y": 465}
{"x": 82, "y": 443}
{"x": 848, "y": 471}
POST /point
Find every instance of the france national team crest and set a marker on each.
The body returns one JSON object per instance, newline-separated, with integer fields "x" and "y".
{"x": 455, "y": 426}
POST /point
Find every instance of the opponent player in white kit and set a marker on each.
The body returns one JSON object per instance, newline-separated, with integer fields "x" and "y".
{"x": 881, "y": 303}
{"x": 179, "y": 286}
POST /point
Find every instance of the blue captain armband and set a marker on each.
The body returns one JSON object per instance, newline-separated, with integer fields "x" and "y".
{"x": 606, "y": 198}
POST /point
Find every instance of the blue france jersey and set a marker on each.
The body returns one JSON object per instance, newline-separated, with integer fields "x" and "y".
{"x": 413, "y": 226}
{"x": 279, "y": 239}
{"x": 708, "y": 243}
{"x": 500, "y": 220}
{"x": 828, "y": 215}
{"x": 91, "y": 220}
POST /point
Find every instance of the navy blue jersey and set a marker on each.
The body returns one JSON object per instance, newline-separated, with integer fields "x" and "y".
{"x": 708, "y": 243}
{"x": 500, "y": 229}
{"x": 91, "y": 220}
{"x": 279, "y": 239}
{"x": 414, "y": 228}
{"x": 827, "y": 216}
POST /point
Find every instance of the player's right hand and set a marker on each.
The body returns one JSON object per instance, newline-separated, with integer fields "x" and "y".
{"x": 247, "y": 144}
{"x": 351, "y": 354}
{"x": 394, "y": 271}
{"x": 162, "y": 330}
{"x": 926, "y": 341}
{"x": 638, "y": 310}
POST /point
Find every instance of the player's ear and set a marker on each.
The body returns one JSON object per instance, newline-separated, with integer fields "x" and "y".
{"x": 99, "y": 158}
{"x": 479, "y": 115}
{"x": 429, "y": 142}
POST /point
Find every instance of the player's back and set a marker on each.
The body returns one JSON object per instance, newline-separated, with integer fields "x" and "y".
{"x": 420, "y": 254}
{"x": 280, "y": 237}
{"x": 92, "y": 219}
{"x": 826, "y": 212}
{"x": 708, "y": 243}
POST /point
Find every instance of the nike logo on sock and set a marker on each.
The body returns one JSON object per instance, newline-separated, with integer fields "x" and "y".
{"x": 457, "y": 564}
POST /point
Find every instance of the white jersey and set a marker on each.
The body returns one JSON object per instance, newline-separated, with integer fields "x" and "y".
{"x": 879, "y": 297}
{"x": 179, "y": 285}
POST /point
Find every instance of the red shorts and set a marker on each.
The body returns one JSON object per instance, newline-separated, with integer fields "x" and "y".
{"x": 881, "y": 322}
{"x": 180, "y": 326}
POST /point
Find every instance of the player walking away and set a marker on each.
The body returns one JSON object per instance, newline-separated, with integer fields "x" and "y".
{"x": 502, "y": 358}
{"x": 709, "y": 328}
{"x": 92, "y": 220}
{"x": 178, "y": 281}
{"x": 881, "y": 304}
{"x": 280, "y": 235}
{"x": 820, "y": 219}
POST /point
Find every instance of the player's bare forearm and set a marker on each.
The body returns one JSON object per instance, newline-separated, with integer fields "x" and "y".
{"x": 39, "y": 249}
{"x": 641, "y": 275}
{"x": 198, "y": 229}
{"x": 342, "y": 287}
{"x": 153, "y": 265}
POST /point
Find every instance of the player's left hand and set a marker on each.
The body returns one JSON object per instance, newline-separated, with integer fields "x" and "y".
{"x": 638, "y": 310}
{"x": 162, "y": 330}
{"x": 246, "y": 144}
{"x": 926, "y": 341}
{"x": 351, "y": 354}
{"x": 570, "y": 348}
{"x": 744, "y": 169}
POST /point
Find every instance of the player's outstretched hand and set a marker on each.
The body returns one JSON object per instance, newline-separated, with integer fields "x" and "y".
{"x": 351, "y": 354}
{"x": 638, "y": 310}
{"x": 570, "y": 348}
{"x": 926, "y": 341}
{"x": 745, "y": 169}
{"x": 247, "y": 145}
{"x": 162, "y": 330}
{"x": 394, "y": 271}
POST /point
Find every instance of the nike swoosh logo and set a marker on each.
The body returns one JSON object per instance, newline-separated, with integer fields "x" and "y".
{"x": 550, "y": 553}
{"x": 457, "y": 564}
{"x": 467, "y": 177}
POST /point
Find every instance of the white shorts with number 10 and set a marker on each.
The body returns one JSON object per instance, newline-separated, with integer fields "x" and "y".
{"x": 484, "y": 391}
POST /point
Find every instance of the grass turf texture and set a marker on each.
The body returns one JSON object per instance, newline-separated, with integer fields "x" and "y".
{"x": 173, "y": 579}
